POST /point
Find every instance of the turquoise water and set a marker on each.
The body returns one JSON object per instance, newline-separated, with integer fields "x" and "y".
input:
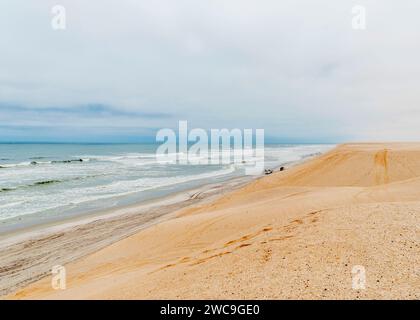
{"x": 41, "y": 181}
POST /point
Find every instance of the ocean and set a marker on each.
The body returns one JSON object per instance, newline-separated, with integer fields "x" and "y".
{"x": 40, "y": 182}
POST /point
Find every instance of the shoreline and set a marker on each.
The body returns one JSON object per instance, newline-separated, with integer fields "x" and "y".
{"x": 28, "y": 243}
{"x": 55, "y": 225}
{"x": 31, "y": 222}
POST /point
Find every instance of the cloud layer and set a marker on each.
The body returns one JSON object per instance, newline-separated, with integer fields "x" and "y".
{"x": 125, "y": 68}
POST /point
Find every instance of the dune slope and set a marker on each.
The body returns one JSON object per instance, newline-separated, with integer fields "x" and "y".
{"x": 294, "y": 234}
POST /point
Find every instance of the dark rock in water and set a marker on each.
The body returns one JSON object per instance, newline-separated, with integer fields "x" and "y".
{"x": 281, "y": 168}
{"x": 268, "y": 171}
{"x": 67, "y": 161}
{"x": 34, "y": 163}
{"x": 46, "y": 182}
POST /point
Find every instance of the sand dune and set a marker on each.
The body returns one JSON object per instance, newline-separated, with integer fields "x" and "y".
{"x": 357, "y": 165}
{"x": 294, "y": 234}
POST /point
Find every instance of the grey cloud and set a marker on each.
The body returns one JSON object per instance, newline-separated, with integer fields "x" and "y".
{"x": 295, "y": 68}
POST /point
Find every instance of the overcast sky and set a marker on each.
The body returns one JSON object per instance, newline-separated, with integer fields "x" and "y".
{"x": 123, "y": 69}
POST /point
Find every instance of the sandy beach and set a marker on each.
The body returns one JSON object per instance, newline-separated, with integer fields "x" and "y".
{"x": 295, "y": 234}
{"x": 29, "y": 253}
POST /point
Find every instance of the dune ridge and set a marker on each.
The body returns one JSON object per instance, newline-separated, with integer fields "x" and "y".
{"x": 295, "y": 234}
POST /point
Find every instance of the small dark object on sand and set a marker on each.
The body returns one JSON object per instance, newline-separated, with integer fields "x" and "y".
{"x": 268, "y": 171}
{"x": 281, "y": 168}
